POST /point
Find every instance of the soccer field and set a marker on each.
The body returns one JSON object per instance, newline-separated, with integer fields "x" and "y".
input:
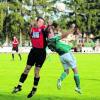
{"x": 89, "y": 70}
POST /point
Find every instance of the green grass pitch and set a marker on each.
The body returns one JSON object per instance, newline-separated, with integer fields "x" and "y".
{"x": 89, "y": 70}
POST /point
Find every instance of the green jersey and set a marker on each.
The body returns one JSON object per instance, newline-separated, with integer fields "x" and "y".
{"x": 58, "y": 46}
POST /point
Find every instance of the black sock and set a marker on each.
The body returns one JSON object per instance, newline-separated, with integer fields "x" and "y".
{"x": 36, "y": 81}
{"x": 23, "y": 78}
{"x": 20, "y": 56}
{"x": 34, "y": 89}
{"x": 13, "y": 56}
{"x": 19, "y": 86}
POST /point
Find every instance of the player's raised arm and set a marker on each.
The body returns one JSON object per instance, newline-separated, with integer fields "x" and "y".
{"x": 33, "y": 24}
{"x": 54, "y": 29}
{"x": 70, "y": 31}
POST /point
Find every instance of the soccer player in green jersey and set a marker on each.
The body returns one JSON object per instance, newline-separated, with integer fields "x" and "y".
{"x": 66, "y": 57}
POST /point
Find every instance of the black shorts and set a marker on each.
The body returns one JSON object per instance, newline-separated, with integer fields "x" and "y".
{"x": 37, "y": 57}
{"x": 15, "y": 49}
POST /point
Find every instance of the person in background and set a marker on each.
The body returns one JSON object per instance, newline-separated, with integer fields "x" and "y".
{"x": 15, "y": 44}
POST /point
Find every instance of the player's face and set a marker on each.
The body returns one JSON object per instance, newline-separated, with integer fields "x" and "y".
{"x": 51, "y": 35}
{"x": 51, "y": 32}
{"x": 14, "y": 37}
{"x": 40, "y": 22}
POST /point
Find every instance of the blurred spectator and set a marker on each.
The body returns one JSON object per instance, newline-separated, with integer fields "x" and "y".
{"x": 88, "y": 42}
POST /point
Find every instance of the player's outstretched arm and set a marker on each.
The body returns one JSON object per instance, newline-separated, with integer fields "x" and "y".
{"x": 70, "y": 31}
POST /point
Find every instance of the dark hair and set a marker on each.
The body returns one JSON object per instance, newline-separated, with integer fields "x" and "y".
{"x": 68, "y": 25}
{"x": 40, "y": 18}
{"x": 55, "y": 24}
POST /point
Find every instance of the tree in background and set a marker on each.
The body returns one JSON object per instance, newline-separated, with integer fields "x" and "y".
{"x": 15, "y": 13}
{"x": 86, "y": 15}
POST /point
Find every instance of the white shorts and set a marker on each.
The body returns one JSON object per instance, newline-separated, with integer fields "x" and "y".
{"x": 68, "y": 60}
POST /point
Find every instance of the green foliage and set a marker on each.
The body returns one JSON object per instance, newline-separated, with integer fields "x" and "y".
{"x": 85, "y": 15}
{"x": 1, "y": 20}
{"x": 14, "y": 22}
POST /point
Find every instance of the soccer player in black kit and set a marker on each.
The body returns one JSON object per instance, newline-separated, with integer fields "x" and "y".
{"x": 36, "y": 56}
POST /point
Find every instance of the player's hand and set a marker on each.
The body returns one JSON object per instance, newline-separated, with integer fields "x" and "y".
{"x": 50, "y": 22}
{"x": 34, "y": 23}
{"x": 73, "y": 26}
{"x": 78, "y": 31}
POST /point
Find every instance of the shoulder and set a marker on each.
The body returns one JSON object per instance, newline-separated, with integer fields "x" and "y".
{"x": 33, "y": 28}
{"x": 43, "y": 27}
{"x": 57, "y": 37}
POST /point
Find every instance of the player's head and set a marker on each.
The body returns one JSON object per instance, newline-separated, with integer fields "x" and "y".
{"x": 56, "y": 28}
{"x": 51, "y": 35}
{"x": 53, "y": 27}
{"x": 14, "y": 37}
{"x": 73, "y": 25}
{"x": 40, "y": 21}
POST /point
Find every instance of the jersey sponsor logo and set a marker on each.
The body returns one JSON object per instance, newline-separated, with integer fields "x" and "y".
{"x": 35, "y": 34}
